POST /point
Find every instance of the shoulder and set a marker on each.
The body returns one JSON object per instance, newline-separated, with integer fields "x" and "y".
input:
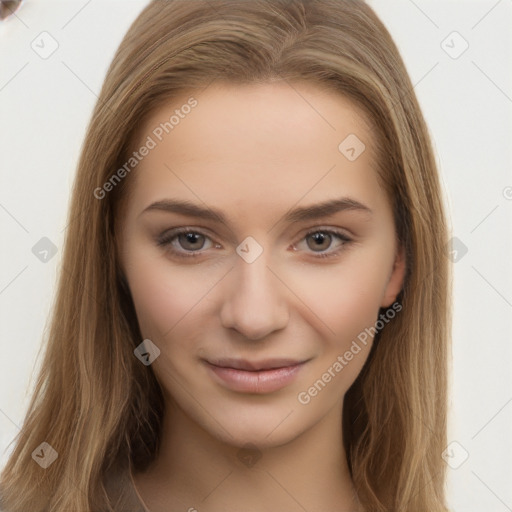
{"x": 120, "y": 490}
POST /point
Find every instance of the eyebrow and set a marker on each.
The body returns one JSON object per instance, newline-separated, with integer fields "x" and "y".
{"x": 304, "y": 213}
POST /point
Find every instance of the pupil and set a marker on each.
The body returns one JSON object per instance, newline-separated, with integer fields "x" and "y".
{"x": 319, "y": 239}
{"x": 192, "y": 239}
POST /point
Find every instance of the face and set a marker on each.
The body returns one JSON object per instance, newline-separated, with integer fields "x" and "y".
{"x": 235, "y": 268}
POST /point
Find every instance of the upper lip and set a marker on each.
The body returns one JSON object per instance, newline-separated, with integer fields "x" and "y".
{"x": 244, "y": 364}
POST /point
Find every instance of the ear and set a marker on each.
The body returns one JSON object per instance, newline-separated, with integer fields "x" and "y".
{"x": 396, "y": 279}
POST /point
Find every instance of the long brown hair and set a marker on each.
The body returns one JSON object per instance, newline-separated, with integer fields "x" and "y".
{"x": 94, "y": 403}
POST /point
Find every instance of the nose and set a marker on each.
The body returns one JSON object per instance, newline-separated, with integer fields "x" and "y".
{"x": 254, "y": 302}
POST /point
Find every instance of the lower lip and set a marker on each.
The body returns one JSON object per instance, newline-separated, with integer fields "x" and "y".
{"x": 263, "y": 381}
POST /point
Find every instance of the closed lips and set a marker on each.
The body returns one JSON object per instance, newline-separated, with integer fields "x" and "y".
{"x": 253, "y": 366}
{"x": 255, "y": 377}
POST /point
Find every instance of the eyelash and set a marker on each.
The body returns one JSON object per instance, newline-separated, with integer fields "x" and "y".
{"x": 166, "y": 239}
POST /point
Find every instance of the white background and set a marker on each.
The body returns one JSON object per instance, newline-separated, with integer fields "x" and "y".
{"x": 45, "y": 105}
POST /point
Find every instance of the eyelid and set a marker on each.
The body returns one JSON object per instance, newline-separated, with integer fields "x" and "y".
{"x": 165, "y": 239}
{"x": 333, "y": 232}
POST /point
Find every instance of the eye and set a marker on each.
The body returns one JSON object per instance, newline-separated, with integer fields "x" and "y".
{"x": 184, "y": 242}
{"x": 321, "y": 240}
{"x": 189, "y": 243}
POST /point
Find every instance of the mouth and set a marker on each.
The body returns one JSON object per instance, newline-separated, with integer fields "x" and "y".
{"x": 254, "y": 366}
{"x": 254, "y": 376}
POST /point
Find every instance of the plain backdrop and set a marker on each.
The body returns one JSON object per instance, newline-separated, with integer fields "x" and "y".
{"x": 466, "y": 97}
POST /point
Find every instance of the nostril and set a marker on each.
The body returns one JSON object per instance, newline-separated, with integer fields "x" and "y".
{"x": 8, "y": 7}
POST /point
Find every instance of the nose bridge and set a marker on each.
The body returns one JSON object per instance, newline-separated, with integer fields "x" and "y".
{"x": 254, "y": 304}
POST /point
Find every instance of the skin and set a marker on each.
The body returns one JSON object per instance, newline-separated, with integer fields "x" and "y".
{"x": 255, "y": 152}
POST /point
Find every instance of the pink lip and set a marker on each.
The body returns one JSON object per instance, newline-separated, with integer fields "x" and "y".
{"x": 266, "y": 378}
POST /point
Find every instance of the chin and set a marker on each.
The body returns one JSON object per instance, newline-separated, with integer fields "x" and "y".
{"x": 263, "y": 425}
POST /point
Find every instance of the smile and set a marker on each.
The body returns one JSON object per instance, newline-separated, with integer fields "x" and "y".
{"x": 246, "y": 377}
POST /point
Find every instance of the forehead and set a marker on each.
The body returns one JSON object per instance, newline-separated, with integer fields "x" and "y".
{"x": 260, "y": 144}
{"x": 285, "y": 119}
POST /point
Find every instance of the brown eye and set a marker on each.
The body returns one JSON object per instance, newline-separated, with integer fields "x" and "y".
{"x": 191, "y": 241}
{"x": 320, "y": 241}
{"x": 185, "y": 242}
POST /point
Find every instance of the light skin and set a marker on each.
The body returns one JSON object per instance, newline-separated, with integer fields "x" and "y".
{"x": 256, "y": 152}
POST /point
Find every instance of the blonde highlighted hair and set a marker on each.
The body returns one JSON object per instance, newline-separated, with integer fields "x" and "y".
{"x": 94, "y": 403}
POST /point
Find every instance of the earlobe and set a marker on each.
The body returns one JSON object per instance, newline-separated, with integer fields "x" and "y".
{"x": 396, "y": 279}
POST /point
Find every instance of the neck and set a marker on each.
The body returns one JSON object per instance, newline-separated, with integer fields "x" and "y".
{"x": 194, "y": 470}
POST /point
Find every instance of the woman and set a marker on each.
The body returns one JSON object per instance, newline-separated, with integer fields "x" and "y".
{"x": 253, "y": 311}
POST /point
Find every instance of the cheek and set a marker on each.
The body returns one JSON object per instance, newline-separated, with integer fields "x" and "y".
{"x": 345, "y": 297}
{"x": 342, "y": 353}
{"x": 343, "y": 303}
{"x": 165, "y": 295}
